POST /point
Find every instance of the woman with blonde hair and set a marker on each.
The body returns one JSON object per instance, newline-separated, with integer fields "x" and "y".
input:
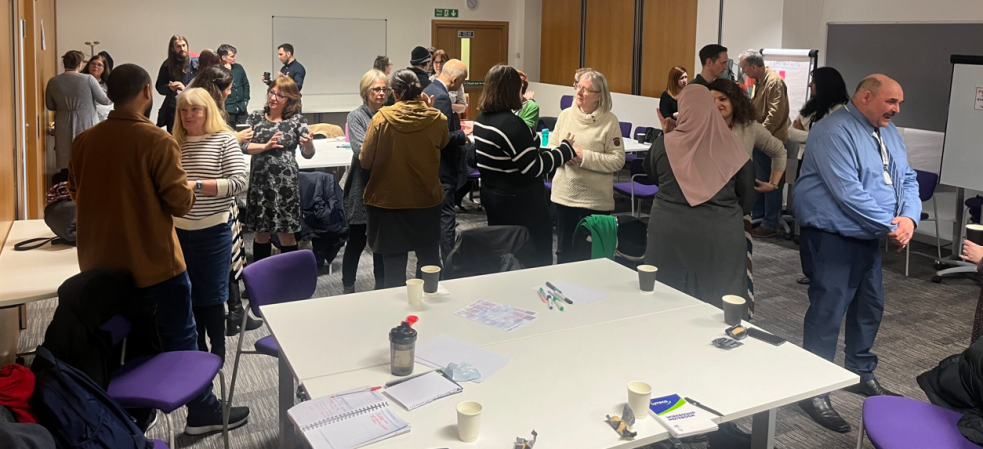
{"x": 374, "y": 89}
{"x": 668, "y": 104}
{"x": 584, "y": 186}
{"x": 217, "y": 172}
{"x": 274, "y": 185}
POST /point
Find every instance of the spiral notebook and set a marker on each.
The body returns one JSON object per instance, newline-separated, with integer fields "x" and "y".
{"x": 347, "y": 420}
{"x": 423, "y": 389}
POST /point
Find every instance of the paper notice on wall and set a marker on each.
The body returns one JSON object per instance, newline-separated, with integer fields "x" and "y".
{"x": 979, "y": 98}
{"x": 796, "y": 76}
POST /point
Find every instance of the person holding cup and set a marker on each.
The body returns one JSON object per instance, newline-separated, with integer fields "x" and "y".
{"x": 706, "y": 186}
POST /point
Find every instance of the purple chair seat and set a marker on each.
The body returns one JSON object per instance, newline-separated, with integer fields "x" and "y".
{"x": 475, "y": 174}
{"x": 642, "y": 191}
{"x": 158, "y": 444}
{"x": 548, "y": 184}
{"x": 630, "y": 157}
{"x": 267, "y": 345}
{"x": 165, "y": 381}
{"x": 895, "y": 423}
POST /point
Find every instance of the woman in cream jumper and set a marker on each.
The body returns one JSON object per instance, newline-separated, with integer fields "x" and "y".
{"x": 584, "y": 186}
{"x": 738, "y": 114}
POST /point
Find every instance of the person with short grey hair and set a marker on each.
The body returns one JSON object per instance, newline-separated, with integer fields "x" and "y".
{"x": 770, "y": 101}
{"x": 584, "y": 186}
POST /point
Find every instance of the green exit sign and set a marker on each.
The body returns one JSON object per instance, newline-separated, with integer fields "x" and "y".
{"x": 445, "y": 13}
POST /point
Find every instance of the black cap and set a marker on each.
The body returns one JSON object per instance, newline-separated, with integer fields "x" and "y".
{"x": 402, "y": 334}
{"x": 419, "y": 56}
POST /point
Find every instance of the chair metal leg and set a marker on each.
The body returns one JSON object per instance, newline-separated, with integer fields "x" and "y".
{"x": 907, "y": 258}
{"x": 170, "y": 430}
{"x": 235, "y": 366}
{"x": 226, "y": 408}
{"x": 938, "y": 237}
{"x": 860, "y": 433}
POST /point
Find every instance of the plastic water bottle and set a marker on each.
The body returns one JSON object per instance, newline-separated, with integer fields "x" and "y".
{"x": 546, "y": 137}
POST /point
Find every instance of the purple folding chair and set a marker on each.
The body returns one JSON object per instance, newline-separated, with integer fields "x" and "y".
{"x": 164, "y": 382}
{"x": 282, "y": 278}
{"x": 640, "y": 187}
{"x": 158, "y": 444}
{"x": 566, "y": 101}
{"x": 625, "y": 129}
{"x": 892, "y": 422}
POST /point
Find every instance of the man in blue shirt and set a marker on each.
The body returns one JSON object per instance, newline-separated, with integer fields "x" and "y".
{"x": 855, "y": 186}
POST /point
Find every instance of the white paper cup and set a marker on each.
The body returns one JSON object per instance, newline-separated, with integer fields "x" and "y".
{"x": 468, "y": 420}
{"x": 414, "y": 291}
{"x": 639, "y": 394}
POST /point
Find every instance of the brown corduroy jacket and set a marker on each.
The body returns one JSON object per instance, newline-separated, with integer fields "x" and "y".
{"x": 771, "y": 104}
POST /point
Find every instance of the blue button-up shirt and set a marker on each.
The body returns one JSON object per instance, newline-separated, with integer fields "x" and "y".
{"x": 842, "y": 187}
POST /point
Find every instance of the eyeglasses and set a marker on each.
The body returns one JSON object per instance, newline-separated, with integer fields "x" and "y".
{"x": 276, "y": 94}
{"x": 96, "y": 64}
{"x": 380, "y": 90}
{"x": 578, "y": 89}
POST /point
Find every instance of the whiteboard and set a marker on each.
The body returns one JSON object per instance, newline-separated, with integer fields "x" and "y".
{"x": 795, "y": 67}
{"x": 962, "y": 149}
{"x": 335, "y": 53}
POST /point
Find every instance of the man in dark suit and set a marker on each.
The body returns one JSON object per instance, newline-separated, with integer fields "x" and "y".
{"x": 451, "y": 157}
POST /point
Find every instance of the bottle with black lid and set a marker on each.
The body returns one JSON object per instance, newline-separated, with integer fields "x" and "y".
{"x": 402, "y": 344}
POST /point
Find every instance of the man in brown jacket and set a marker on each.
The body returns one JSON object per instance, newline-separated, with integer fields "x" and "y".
{"x": 770, "y": 102}
{"x": 126, "y": 179}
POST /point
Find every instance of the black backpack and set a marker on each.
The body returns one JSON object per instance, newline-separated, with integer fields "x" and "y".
{"x": 77, "y": 412}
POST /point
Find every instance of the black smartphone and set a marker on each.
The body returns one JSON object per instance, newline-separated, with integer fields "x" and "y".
{"x": 764, "y": 336}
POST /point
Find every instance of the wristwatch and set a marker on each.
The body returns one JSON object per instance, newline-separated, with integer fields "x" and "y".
{"x": 773, "y": 186}
{"x": 198, "y": 186}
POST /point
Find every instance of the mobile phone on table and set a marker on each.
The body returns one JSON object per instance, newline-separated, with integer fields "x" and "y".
{"x": 764, "y": 336}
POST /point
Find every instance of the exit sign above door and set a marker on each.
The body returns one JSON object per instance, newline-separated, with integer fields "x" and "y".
{"x": 445, "y": 13}
{"x": 465, "y": 34}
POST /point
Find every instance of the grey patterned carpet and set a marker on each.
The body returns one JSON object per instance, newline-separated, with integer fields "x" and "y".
{"x": 923, "y": 323}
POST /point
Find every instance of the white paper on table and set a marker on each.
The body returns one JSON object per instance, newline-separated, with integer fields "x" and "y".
{"x": 443, "y": 350}
{"x": 578, "y": 294}
{"x": 499, "y": 316}
{"x": 979, "y": 99}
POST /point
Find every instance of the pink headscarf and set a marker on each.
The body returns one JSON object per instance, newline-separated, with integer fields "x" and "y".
{"x": 703, "y": 151}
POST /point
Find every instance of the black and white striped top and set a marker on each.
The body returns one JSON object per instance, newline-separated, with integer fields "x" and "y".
{"x": 212, "y": 156}
{"x": 508, "y": 152}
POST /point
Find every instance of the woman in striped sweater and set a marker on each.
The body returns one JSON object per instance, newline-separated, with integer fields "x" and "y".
{"x": 511, "y": 164}
{"x": 217, "y": 172}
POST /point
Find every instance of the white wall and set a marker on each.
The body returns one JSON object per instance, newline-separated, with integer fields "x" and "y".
{"x": 138, "y": 32}
{"x": 751, "y": 24}
{"x": 805, "y": 20}
{"x": 533, "y": 17}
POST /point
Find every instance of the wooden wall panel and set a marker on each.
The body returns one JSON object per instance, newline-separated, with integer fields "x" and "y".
{"x": 8, "y": 183}
{"x": 610, "y": 38}
{"x": 668, "y": 39}
{"x": 560, "y": 41}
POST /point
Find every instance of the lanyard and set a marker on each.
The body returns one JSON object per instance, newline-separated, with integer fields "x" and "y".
{"x": 884, "y": 157}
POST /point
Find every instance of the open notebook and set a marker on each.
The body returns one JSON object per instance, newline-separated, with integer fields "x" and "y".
{"x": 423, "y": 389}
{"x": 347, "y": 420}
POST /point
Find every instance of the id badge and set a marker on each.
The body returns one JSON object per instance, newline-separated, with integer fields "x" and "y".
{"x": 887, "y": 178}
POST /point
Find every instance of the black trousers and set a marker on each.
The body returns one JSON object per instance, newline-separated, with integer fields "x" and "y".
{"x": 210, "y": 321}
{"x": 523, "y": 207}
{"x": 448, "y": 221}
{"x": 353, "y": 252}
{"x": 567, "y": 219}
{"x": 395, "y": 264}
{"x": 237, "y": 119}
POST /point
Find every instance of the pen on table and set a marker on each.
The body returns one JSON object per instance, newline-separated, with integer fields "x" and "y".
{"x": 561, "y": 295}
{"x": 691, "y": 401}
{"x": 542, "y": 295}
{"x": 549, "y": 301}
{"x": 559, "y": 304}
{"x": 360, "y": 390}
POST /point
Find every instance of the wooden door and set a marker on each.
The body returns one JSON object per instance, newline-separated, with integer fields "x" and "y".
{"x": 488, "y": 46}
{"x": 8, "y": 145}
{"x": 610, "y": 40}
{"x": 559, "y": 46}
{"x": 668, "y": 40}
{"x": 38, "y": 56}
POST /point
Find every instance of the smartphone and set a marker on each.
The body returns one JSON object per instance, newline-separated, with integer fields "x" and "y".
{"x": 242, "y": 126}
{"x": 764, "y": 336}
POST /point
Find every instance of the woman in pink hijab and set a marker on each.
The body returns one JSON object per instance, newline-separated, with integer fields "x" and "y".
{"x": 706, "y": 186}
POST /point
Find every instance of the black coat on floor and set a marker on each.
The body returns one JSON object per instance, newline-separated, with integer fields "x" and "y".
{"x": 957, "y": 384}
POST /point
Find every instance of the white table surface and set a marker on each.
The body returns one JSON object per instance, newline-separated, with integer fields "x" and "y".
{"x": 564, "y": 383}
{"x": 327, "y": 153}
{"x": 631, "y": 145}
{"x": 308, "y": 331}
{"x": 27, "y": 276}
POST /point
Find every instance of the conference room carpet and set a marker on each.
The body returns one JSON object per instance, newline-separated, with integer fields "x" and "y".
{"x": 923, "y": 323}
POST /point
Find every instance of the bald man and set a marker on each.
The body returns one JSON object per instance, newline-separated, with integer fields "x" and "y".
{"x": 855, "y": 187}
{"x": 452, "y": 161}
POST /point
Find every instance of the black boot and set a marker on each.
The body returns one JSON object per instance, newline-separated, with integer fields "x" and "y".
{"x": 234, "y": 318}
{"x": 288, "y": 249}
{"x": 261, "y": 250}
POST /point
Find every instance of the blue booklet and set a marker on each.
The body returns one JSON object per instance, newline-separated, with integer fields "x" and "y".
{"x": 680, "y": 417}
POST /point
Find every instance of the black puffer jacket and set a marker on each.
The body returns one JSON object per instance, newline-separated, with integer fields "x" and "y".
{"x": 957, "y": 384}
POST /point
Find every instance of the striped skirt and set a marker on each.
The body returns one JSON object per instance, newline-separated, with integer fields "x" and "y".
{"x": 238, "y": 249}
{"x": 750, "y": 267}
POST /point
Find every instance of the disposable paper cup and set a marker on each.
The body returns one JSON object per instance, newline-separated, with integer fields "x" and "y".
{"x": 431, "y": 277}
{"x": 468, "y": 420}
{"x": 974, "y": 233}
{"x": 639, "y": 394}
{"x": 734, "y": 307}
{"x": 414, "y": 291}
{"x": 646, "y": 277}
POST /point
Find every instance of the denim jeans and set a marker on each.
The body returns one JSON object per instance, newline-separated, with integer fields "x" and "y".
{"x": 767, "y": 206}
{"x": 176, "y": 326}
{"x": 208, "y": 255}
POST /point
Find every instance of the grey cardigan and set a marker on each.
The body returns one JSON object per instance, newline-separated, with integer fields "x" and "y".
{"x": 73, "y": 98}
